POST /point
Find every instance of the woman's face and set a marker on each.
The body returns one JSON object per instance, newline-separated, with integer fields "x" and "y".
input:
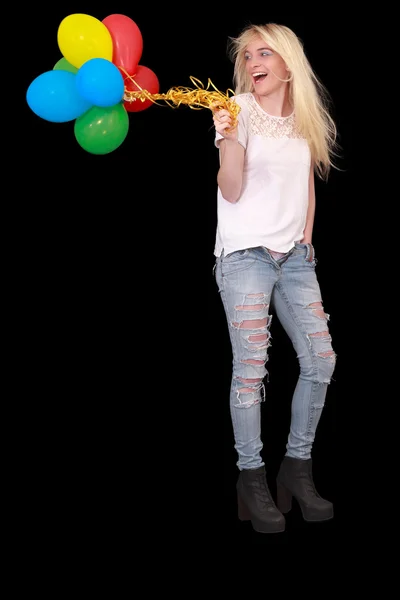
{"x": 265, "y": 67}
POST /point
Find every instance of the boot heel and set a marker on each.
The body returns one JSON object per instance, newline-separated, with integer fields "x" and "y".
{"x": 243, "y": 511}
{"x": 283, "y": 498}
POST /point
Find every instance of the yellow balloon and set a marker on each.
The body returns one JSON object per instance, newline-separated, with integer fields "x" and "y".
{"x": 81, "y": 37}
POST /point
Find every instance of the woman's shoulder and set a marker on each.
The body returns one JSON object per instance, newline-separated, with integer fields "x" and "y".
{"x": 244, "y": 102}
{"x": 243, "y": 99}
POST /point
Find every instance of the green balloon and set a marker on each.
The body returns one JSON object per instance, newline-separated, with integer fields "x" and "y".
{"x": 102, "y": 130}
{"x": 64, "y": 65}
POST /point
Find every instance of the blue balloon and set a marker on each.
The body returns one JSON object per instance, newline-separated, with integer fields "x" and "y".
{"x": 53, "y": 96}
{"x": 100, "y": 82}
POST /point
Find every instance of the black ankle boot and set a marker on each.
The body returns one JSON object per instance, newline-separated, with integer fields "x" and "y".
{"x": 295, "y": 479}
{"x": 255, "y": 502}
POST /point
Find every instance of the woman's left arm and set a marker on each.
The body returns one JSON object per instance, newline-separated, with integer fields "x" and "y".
{"x": 308, "y": 230}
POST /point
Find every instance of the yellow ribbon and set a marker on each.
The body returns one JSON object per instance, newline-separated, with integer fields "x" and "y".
{"x": 197, "y": 98}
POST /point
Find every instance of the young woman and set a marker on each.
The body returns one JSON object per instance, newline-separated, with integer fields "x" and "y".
{"x": 265, "y": 261}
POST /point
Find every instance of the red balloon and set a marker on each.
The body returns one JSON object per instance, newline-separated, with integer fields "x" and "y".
{"x": 127, "y": 42}
{"x": 147, "y": 80}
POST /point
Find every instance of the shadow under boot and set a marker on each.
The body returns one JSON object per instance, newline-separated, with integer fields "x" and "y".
{"x": 255, "y": 502}
{"x": 295, "y": 479}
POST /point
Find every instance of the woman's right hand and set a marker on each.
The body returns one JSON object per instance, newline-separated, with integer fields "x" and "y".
{"x": 223, "y": 122}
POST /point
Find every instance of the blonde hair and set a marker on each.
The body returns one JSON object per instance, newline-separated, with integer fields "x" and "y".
{"x": 309, "y": 97}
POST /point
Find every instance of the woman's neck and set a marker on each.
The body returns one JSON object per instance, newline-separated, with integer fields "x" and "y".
{"x": 275, "y": 104}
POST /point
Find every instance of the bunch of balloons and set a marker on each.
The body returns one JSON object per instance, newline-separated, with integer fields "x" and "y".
{"x": 87, "y": 85}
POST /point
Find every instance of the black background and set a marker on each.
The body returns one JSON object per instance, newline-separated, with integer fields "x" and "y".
{"x": 124, "y": 342}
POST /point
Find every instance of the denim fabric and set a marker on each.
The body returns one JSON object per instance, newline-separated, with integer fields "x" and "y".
{"x": 250, "y": 283}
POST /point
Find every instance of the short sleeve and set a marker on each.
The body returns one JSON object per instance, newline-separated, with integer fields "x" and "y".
{"x": 242, "y": 123}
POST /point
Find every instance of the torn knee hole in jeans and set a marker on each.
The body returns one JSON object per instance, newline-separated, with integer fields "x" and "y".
{"x": 254, "y": 305}
{"x": 324, "y": 334}
{"x": 257, "y": 342}
{"x": 319, "y": 312}
{"x": 255, "y": 338}
{"x": 258, "y": 305}
{"x": 251, "y": 394}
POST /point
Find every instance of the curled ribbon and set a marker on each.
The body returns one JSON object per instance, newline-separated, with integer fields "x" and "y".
{"x": 197, "y": 98}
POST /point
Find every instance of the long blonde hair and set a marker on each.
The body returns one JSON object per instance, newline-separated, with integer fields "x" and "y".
{"x": 309, "y": 97}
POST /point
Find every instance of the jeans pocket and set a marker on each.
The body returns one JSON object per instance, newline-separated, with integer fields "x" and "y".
{"x": 307, "y": 250}
{"x": 237, "y": 261}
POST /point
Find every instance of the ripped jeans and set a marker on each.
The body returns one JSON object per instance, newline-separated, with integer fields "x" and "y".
{"x": 249, "y": 282}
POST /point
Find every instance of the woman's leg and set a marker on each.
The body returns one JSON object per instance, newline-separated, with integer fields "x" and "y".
{"x": 245, "y": 281}
{"x": 298, "y": 304}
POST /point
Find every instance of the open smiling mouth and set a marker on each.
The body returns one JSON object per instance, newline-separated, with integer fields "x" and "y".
{"x": 260, "y": 76}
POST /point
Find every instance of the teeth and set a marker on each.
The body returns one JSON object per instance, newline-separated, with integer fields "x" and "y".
{"x": 256, "y": 74}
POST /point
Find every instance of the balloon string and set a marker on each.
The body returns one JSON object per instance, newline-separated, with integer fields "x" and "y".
{"x": 196, "y": 99}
